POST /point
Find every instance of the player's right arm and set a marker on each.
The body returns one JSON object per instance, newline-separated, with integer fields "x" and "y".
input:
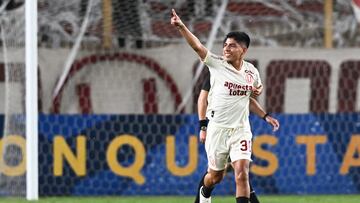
{"x": 191, "y": 39}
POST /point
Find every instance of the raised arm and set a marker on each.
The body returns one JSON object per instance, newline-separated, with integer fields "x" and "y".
{"x": 258, "y": 110}
{"x": 191, "y": 39}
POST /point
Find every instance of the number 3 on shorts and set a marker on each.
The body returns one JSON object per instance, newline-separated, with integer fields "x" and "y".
{"x": 245, "y": 145}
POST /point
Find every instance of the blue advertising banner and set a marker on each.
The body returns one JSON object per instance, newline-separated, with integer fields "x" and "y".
{"x": 160, "y": 155}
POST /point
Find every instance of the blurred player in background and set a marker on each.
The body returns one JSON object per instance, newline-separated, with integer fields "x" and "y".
{"x": 202, "y": 113}
{"x": 228, "y": 132}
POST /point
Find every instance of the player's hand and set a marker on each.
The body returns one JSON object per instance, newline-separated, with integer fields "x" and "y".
{"x": 202, "y": 136}
{"x": 273, "y": 122}
{"x": 175, "y": 19}
{"x": 257, "y": 91}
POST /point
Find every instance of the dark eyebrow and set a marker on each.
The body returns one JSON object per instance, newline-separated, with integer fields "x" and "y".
{"x": 231, "y": 43}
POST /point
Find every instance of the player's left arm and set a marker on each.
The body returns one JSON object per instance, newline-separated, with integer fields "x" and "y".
{"x": 257, "y": 91}
{"x": 258, "y": 87}
{"x": 258, "y": 110}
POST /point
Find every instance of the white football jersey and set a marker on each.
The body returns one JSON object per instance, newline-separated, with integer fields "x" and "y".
{"x": 228, "y": 99}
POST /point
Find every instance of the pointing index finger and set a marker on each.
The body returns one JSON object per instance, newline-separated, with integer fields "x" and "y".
{"x": 173, "y": 12}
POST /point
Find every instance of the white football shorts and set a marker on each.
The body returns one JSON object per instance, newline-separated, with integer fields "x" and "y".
{"x": 222, "y": 142}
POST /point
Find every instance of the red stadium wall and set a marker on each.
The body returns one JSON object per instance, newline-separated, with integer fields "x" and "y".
{"x": 156, "y": 81}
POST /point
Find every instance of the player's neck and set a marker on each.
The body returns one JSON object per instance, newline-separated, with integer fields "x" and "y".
{"x": 237, "y": 64}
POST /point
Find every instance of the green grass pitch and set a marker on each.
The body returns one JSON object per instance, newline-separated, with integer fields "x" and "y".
{"x": 176, "y": 199}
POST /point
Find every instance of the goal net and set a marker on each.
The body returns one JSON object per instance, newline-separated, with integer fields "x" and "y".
{"x": 114, "y": 118}
{"x": 12, "y": 147}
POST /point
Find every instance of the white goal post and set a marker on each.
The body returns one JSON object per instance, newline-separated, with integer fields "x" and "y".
{"x": 31, "y": 53}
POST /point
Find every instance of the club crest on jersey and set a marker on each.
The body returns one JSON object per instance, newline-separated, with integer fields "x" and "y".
{"x": 249, "y": 78}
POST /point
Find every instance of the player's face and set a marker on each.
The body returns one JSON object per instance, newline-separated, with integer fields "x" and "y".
{"x": 232, "y": 50}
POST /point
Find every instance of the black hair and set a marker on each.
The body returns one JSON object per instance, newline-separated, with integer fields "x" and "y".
{"x": 239, "y": 37}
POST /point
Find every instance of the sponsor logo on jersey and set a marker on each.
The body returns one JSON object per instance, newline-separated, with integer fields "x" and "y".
{"x": 237, "y": 89}
{"x": 231, "y": 85}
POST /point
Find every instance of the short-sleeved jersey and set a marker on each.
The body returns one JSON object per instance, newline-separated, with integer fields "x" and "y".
{"x": 228, "y": 99}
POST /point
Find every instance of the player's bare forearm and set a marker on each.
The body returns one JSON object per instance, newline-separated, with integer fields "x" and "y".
{"x": 256, "y": 108}
{"x": 191, "y": 39}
